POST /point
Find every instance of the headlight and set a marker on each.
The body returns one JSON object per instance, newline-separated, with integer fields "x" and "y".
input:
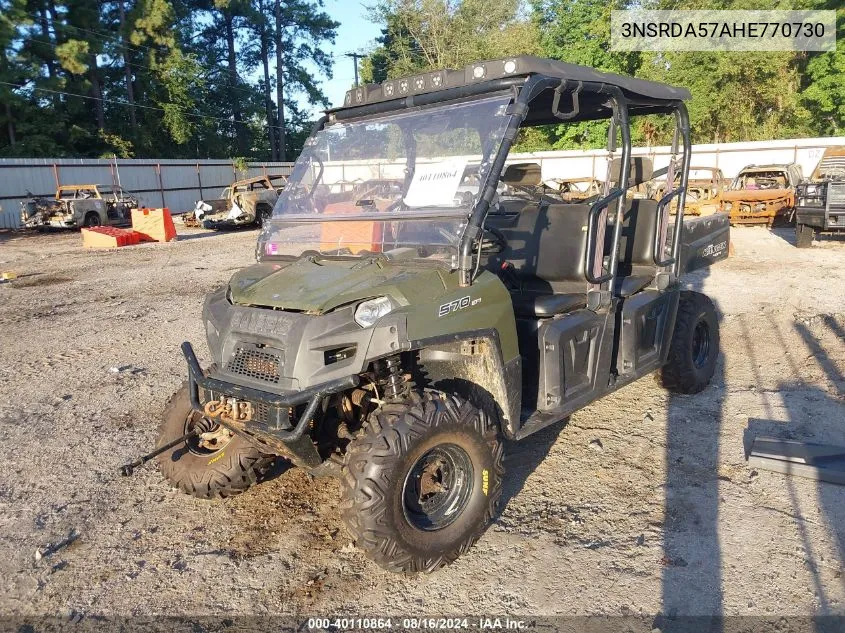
{"x": 368, "y": 312}
{"x": 727, "y": 206}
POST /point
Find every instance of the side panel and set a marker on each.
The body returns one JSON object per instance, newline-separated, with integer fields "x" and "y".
{"x": 568, "y": 355}
{"x": 645, "y": 318}
{"x": 486, "y": 304}
{"x": 705, "y": 240}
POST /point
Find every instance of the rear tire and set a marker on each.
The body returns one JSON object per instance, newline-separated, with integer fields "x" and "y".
{"x": 694, "y": 350}
{"x": 804, "y": 236}
{"x": 92, "y": 219}
{"x": 200, "y": 472}
{"x": 422, "y": 481}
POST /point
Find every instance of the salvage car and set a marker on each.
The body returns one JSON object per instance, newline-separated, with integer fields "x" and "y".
{"x": 398, "y": 344}
{"x": 704, "y": 191}
{"x": 763, "y": 194}
{"x": 80, "y": 206}
{"x": 577, "y": 189}
{"x": 245, "y": 203}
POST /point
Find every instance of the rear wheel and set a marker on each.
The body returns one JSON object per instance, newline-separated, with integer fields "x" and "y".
{"x": 214, "y": 465}
{"x": 422, "y": 481}
{"x": 695, "y": 345}
{"x": 92, "y": 219}
{"x": 804, "y": 235}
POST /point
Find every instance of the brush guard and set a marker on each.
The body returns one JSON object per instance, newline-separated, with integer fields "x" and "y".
{"x": 274, "y": 428}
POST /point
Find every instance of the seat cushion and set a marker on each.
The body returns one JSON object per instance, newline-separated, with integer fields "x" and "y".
{"x": 626, "y": 286}
{"x": 545, "y": 305}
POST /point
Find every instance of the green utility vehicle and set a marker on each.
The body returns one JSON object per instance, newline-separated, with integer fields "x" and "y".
{"x": 396, "y": 334}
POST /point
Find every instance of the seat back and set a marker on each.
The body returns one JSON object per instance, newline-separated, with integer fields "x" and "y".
{"x": 636, "y": 239}
{"x": 546, "y": 245}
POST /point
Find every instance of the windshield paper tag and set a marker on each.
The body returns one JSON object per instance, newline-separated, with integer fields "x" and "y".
{"x": 435, "y": 184}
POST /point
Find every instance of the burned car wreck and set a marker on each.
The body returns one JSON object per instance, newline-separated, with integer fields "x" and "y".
{"x": 247, "y": 202}
{"x": 76, "y": 206}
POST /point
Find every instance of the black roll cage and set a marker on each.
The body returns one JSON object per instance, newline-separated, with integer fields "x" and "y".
{"x": 526, "y": 90}
{"x": 595, "y": 272}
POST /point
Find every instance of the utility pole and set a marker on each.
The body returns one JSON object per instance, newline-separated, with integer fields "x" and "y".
{"x": 355, "y": 57}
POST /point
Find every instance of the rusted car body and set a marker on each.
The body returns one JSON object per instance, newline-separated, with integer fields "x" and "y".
{"x": 577, "y": 189}
{"x": 246, "y": 202}
{"x": 704, "y": 191}
{"x": 762, "y": 194}
{"x": 79, "y": 206}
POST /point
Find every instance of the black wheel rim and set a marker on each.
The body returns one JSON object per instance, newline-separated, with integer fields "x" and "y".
{"x": 437, "y": 488}
{"x": 700, "y": 344}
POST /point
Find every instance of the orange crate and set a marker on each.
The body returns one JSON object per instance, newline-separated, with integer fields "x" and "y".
{"x": 154, "y": 225}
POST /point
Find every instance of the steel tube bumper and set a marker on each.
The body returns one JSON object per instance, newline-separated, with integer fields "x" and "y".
{"x": 313, "y": 396}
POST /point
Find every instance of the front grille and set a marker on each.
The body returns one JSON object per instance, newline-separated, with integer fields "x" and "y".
{"x": 258, "y": 363}
{"x": 836, "y": 193}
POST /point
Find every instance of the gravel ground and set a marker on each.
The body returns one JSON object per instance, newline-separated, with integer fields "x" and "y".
{"x": 641, "y": 504}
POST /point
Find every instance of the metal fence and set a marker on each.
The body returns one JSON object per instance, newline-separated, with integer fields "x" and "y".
{"x": 178, "y": 184}
{"x": 175, "y": 184}
{"x": 729, "y": 157}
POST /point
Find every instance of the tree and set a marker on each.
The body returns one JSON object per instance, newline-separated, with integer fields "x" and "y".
{"x": 429, "y": 34}
{"x": 163, "y": 78}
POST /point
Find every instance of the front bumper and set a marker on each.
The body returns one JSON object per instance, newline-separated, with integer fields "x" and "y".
{"x": 273, "y": 428}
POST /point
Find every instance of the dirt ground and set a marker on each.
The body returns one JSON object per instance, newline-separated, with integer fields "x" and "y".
{"x": 641, "y": 504}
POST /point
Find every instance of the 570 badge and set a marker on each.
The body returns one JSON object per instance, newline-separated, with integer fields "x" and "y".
{"x": 457, "y": 304}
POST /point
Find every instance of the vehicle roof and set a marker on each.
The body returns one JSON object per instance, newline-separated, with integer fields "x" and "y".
{"x": 247, "y": 181}
{"x": 645, "y": 96}
{"x": 770, "y": 166}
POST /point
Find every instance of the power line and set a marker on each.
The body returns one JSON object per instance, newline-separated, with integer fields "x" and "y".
{"x": 150, "y": 71}
{"x": 126, "y": 103}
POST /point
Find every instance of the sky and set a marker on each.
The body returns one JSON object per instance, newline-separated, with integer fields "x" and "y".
{"x": 356, "y": 33}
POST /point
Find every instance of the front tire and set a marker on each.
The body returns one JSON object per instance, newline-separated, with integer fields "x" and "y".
{"x": 694, "y": 350}
{"x": 422, "y": 481}
{"x": 804, "y": 236}
{"x": 200, "y": 471}
{"x": 92, "y": 220}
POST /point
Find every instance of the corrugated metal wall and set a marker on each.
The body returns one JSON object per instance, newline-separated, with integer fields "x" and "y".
{"x": 176, "y": 184}
{"x": 729, "y": 157}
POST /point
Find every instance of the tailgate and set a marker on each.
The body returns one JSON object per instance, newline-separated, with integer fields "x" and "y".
{"x": 704, "y": 241}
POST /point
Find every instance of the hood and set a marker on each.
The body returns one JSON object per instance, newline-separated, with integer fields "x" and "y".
{"x": 755, "y": 195}
{"x": 318, "y": 285}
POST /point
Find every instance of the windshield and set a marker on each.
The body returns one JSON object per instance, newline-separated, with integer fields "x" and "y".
{"x": 761, "y": 179}
{"x": 398, "y": 181}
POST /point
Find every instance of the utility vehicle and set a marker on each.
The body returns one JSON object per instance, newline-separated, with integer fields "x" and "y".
{"x": 396, "y": 340}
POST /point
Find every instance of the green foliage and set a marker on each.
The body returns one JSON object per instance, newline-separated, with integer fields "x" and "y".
{"x": 156, "y": 78}
{"x": 241, "y": 165}
{"x": 735, "y": 96}
{"x": 429, "y": 34}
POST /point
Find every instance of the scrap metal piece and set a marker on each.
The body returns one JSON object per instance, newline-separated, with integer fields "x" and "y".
{"x": 821, "y": 462}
